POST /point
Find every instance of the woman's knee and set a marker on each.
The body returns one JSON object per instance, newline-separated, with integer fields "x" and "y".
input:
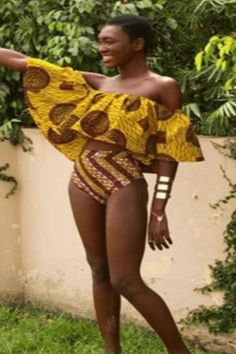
{"x": 99, "y": 270}
{"x": 126, "y": 285}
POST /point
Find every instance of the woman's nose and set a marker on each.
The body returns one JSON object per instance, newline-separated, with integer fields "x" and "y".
{"x": 102, "y": 48}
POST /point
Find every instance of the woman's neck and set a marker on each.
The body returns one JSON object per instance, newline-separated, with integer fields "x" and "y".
{"x": 137, "y": 67}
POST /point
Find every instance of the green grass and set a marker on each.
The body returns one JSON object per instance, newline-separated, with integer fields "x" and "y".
{"x": 31, "y": 330}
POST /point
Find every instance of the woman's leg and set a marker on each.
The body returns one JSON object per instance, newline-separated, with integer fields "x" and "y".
{"x": 126, "y": 230}
{"x": 89, "y": 216}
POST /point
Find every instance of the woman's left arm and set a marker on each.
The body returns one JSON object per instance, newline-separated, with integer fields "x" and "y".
{"x": 158, "y": 231}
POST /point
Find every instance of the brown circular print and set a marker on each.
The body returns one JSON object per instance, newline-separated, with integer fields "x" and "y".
{"x": 66, "y": 137}
{"x": 131, "y": 104}
{"x": 83, "y": 91}
{"x": 161, "y": 137}
{"x": 151, "y": 144}
{"x": 144, "y": 123}
{"x": 67, "y": 85}
{"x": 165, "y": 157}
{"x": 61, "y": 111}
{"x": 27, "y": 100}
{"x": 95, "y": 123}
{"x": 163, "y": 113}
{"x": 117, "y": 137}
{"x": 97, "y": 98}
{"x": 150, "y": 110}
{"x": 36, "y": 79}
{"x": 118, "y": 95}
{"x": 66, "y": 124}
{"x": 191, "y": 137}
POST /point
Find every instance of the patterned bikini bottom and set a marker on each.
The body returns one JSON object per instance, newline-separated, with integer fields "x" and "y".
{"x": 100, "y": 173}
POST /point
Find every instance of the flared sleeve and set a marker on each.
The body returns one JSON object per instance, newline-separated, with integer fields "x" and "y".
{"x": 176, "y": 139}
{"x": 69, "y": 112}
{"x": 51, "y": 94}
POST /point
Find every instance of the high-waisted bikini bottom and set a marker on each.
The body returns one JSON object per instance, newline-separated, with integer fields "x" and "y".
{"x": 100, "y": 173}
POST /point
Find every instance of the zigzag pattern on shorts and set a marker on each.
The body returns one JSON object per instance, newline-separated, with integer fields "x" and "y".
{"x": 101, "y": 173}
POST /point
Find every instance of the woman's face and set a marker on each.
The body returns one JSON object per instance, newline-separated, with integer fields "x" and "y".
{"x": 115, "y": 46}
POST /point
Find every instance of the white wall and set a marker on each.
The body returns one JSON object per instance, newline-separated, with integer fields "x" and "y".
{"x": 10, "y": 233}
{"x": 53, "y": 260}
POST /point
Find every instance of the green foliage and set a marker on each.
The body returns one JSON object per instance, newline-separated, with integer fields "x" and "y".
{"x": 10, "y": 130}
{"x": 216, "y": 63}
{"x": 232, "y": 192}
{"x": 221, "y": 318}
{"x": 231, "y": 145}
{"x": 6, "y": 178}
{"x": 64, "y": 31}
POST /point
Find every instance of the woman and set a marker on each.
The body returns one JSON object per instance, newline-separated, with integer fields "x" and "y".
{"x": 114, "y": 128}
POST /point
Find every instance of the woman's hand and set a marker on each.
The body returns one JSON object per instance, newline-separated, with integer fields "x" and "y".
{"x": 158, "y": 231}
{"x": 12, "y": 59}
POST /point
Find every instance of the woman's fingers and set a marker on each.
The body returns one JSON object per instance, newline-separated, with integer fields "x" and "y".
{"x": 160, "y": 240}
{"x": 152, "y": 245}
{"x": 151, "y": 238}
{"x": 158, "y": 233}
{"x": 169, "y": 240}
{"x": 163, "y": 241}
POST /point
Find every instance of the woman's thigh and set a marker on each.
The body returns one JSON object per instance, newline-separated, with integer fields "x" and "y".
{"x": 90, "y": 218}
{"x": 126, "y": 221}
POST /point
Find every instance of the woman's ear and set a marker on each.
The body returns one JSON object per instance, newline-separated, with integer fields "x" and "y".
{"x": 139, "y": 44}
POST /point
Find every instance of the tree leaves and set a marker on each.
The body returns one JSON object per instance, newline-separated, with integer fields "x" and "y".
{"x": 65, "y": 32}
{"x": 219, "y": 55}
{"x": 172, "y": 23}
{"x": 6, "y": 178}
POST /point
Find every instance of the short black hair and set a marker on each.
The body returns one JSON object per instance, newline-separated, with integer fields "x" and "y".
{"x": 135, "y": 27}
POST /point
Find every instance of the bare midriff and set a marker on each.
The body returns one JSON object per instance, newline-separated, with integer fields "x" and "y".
{"x": 101, "y": 145}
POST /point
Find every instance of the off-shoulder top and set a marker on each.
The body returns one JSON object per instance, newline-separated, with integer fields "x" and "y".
{"x": 69, "y": 112}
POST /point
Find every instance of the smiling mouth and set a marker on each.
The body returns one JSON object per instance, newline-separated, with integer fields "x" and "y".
{"x": 107, "y": 57}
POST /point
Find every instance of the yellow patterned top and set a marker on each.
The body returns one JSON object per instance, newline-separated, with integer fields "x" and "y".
{"x": 69, "y": 112}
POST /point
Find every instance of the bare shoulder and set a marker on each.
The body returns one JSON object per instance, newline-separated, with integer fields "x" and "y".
{"x": 95, "y": 80}
{"x": 169, "y": 91}
{"x": 165, "y": 82}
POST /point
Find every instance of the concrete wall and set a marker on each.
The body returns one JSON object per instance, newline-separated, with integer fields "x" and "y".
{"x": 53, "y": 269}
{"x": 10, "y": 233}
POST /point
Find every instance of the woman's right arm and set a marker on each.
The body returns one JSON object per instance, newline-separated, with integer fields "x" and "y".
{"x": 12, "y": 59}
{"x": 94, "y": 80}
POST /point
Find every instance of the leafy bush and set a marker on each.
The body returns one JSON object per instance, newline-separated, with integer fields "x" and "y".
{"x": 64, "y": 31}
{"x": 216, "y": 65}
{"x": 221, "y": 318}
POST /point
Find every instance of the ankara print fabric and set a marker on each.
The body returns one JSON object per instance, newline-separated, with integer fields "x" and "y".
{"x": 69, "y": 112}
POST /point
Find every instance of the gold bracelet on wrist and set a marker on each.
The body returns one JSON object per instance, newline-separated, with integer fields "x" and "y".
{"x": 163, "y": 187}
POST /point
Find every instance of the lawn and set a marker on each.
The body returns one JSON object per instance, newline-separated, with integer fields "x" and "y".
{"x": 31, "y": 330}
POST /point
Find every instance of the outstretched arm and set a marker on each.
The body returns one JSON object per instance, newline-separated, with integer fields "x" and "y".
{"x": 158, "y": 232}
{"x": 17, "y": 61}
{"x": 12, "y": 59}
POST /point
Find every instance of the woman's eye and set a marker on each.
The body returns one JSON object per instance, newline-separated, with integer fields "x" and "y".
{"x": 107, "y": 41}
